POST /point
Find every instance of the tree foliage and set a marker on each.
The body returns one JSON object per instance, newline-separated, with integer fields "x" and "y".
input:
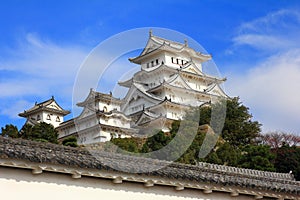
{"x": 288, "y": 160}
{"x": 70, "y": 141}
{"x": 156, "y": 142}
{"x": 42, "y": 132}
{"x": 257, "y": 157}
{"x": 238, "y": 128}
{"x": 10, "y": 131}
{"x": 228, "y": 154}
{"x": 127, "y": 144}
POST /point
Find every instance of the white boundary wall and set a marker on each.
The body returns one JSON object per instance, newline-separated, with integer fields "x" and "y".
{"x": 22, "y": 184}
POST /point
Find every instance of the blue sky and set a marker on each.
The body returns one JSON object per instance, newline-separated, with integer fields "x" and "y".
{"x": 255, "y": 44}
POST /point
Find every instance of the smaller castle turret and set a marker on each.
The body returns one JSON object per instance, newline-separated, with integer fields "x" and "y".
{"x": 48, "y": 111}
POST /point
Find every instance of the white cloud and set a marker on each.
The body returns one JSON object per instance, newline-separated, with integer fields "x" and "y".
{"x": 41, "y": 58}
{"x": 37, "y": 68}
{"x": 15, "y": 88}
{"x": 270, "y": 88}
{"x": 276, "y": 31}
{"x": 264, "y": 42}
{"x": 13, "y": 111}
{"x": 281, "y": 18}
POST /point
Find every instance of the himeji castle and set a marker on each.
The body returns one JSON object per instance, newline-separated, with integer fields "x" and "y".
{"x": 169, "y": 82}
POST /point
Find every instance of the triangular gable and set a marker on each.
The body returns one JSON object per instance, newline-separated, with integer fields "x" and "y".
{"x": 86, "y": 112}
{"x": 150, "y": 46}
{"x": 54, "y": 105}
{"x": 155, "y": 42}
{"x": 192, "y": 68}
{"x": 168, "y": 43}
{"x": 135, "y": 93}
{"x": 178, "y": 81}
{"x": 144, "y": 118}
{"x": 90, "y": 98}
{"x": 216, "y": 90}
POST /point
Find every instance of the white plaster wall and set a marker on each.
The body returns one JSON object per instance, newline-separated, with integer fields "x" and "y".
{"x": 94, "y": 136}
{"x": 137, "y": 105}
{"x": 66, "y": 131}
{"x": 44, "y": 117}
{"x": 181, "y": 97}
{"x": 147, "y": 63}
{"x": 171, "y": 113}
{"x": 18, "y": 184}
{"x": 176, "y": 114}
{"x": 196, "y": 84}
{"x": 198, "y": 63}
{"x": 154, "y": 79}
{"x": 115, "y": 122}
{"x": 34, "y": 116}
{"x": 168, "y": 58}
{"x": 52, "y": 120}
{"x": 109, "y": 107}
{"x": 104, "y": 136}
{"x": 91, "y": 136}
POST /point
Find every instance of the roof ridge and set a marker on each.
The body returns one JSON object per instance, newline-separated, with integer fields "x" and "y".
{"x": 167, "y": 40}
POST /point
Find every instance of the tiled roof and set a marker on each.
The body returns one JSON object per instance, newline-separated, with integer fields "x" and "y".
{"x": 37, "y": 152}
{"x": 43, "y": 105}
{"x": 94, "y": 95}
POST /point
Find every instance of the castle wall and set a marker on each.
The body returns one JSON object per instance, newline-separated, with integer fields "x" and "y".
{"x": 18, "y": 184}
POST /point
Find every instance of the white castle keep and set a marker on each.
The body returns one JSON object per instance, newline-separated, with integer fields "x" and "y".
{"x": 169, "y": 82}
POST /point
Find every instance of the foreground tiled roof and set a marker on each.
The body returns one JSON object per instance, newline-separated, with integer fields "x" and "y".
{"x": 46, "y": 153}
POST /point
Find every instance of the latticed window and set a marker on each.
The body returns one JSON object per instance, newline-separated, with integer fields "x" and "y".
{"x": 57, "y": 119}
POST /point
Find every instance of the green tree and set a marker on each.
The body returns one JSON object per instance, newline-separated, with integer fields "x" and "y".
{"x": 213, "y": 158}
{"x": 168, "y": 147}
{"x": 26, "y": 131}
{"x": 156, "y": 142}
{"x": 288, "y": 159}
{"x": 127, "y": 144}
{"x": 238, "y": 129}
{"x": 70, "y": 141}
{"x": 10, "y": 131}
{"x": 40, "y": 132}
{"x": 228, "y": 154}
{"x": 257, "y": 157}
